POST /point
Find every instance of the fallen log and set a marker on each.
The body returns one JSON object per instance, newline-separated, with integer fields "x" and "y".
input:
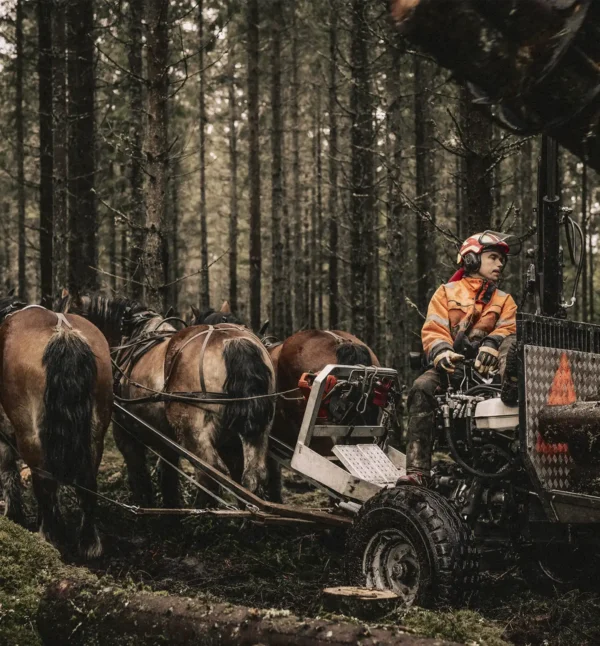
{"x": 532, "y": 64}
{"x": 72, "y": 613}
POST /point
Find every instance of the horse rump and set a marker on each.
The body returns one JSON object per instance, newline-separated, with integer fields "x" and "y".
{"x": 248, "y": 375}
{"x": 349, "y": 353}
{"x": 66, "y": 426}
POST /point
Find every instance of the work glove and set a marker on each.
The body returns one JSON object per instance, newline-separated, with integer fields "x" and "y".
{"x": 445, "y": 361}
{"x": 487, "y": 360}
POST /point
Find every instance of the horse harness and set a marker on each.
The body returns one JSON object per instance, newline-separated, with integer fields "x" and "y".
{"x": 17, "y": 306}
{"x": 197, "y": 398}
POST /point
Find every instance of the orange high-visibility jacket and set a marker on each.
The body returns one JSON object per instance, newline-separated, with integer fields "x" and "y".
{"x": 473, "y": 306}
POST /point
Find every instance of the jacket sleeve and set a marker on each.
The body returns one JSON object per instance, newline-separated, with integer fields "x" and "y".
{"x": 435, "y": 334}
{"x": 506, "y": 324}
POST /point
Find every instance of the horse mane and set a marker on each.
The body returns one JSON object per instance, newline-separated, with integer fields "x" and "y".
{"x": 9, "y": 304}
{"x": 112, "y": 311}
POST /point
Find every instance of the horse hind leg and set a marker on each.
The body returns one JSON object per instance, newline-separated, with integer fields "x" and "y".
{"x": 169, "y": 480}
{"x": 51, "y": 524}
{"x": 90, "y": 546}
{"x": 10, "y": 484}
{"x": 138, "y": 475}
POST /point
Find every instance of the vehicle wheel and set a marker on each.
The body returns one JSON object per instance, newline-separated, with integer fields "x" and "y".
{"x": 558, "y": 567}
{"x": 412, "y": 541}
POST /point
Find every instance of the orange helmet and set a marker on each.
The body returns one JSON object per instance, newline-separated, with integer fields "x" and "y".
{"x": 480, "y": 242}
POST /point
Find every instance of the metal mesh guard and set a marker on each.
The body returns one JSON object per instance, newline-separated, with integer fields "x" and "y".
{"x": 368, "y": 462}
{"x": 553, "y": 467}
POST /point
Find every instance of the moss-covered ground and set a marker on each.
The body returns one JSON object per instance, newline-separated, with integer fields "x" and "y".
{"x": 287, "y": 568}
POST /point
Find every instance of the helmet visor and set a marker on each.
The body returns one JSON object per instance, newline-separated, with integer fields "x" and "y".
{"x": 508, "y": 243}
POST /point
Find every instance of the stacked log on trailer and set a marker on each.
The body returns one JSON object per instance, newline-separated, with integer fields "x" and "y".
{"x": 534, "y": 65}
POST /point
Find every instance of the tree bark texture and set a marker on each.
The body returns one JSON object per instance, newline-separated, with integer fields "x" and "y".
{"x": 233, "y": 163}
{"x": 361, "y": 171}
{"x": 425, "y": 180}
{"x": 477, "y": 149}
{"x": 60, "y": 144}
{"x": 204, "y": 273}
{"x": 45, "y": 11}
{"x": 332, "y": 204}
{"x": 135, "y": 85}
{"x": 300, "y": 310}
{"x": 277, "y": 280}
{"x": 396, "y": 218}
{"x": 78, "y": 614}
{"x": 536, "y": 61}
{"x": 81, "y": 153}
{"x": 20, "y": 151}
{"x": 157, "y": 150}
{"x": 253, "y": 52}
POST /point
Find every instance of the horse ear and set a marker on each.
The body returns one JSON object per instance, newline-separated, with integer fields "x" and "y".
{"x": 264, "y": 328}
{"x": 11, "y": 292}
{"x": 196, "y": 313}
{"x": 225, "y": 309}
{"x": 64, "y": 293}
{"x": 169, "y": 312}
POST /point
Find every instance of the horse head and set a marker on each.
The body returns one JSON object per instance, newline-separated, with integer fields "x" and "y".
{"x": 211, "y": 317}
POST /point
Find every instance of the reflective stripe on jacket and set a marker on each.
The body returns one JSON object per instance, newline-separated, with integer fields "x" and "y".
{"x": 473, "y": 306}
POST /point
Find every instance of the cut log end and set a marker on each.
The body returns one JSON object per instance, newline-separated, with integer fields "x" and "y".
{"x": 361, "y": 594}
{"x": 402, "y": 8}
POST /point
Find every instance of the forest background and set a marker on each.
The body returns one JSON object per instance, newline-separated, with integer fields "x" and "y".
{"x": 295, "y": 157}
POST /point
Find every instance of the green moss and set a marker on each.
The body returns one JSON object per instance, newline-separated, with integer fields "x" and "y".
{"x": 27, "y": 565}
{"x": 463, "y": 626}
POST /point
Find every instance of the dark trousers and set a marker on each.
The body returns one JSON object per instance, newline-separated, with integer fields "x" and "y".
{"x": 421, "y": 412}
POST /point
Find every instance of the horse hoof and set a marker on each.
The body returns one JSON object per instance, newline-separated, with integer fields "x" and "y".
{"x": 91, "y": 549}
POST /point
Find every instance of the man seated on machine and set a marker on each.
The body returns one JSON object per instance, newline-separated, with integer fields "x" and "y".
{"x": 467, "y": 316}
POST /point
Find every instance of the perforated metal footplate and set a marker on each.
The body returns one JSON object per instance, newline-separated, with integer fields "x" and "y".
{"x": 368, "y": 462}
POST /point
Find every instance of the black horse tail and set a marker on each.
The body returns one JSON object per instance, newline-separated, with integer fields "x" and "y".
{"x": 349, "y": 353}
{"x": 248, "y": 375}
{"x": 66, "y": 427}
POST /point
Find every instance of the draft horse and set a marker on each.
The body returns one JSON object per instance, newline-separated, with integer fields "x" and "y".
{"x": 305, "y": 351}
{"x": 56, "y": 396}
{"x": 209, "y": 362}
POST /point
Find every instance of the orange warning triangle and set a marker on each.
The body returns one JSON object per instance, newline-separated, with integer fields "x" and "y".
{"x": 561, "y": 393}
{"x": 562, "y": 390}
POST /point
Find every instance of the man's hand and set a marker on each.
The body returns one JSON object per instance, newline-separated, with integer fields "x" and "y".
{"x": 486, "y": 361}
{"x": 445, "y": 360}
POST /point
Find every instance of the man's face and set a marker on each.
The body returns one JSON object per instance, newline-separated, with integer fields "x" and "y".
{"x": 492, "y": 264}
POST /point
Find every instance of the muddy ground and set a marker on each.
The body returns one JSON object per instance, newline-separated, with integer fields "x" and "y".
{"x": 287, "y": 568}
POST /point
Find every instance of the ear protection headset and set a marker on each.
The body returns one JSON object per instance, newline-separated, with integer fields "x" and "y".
{"x": 471, "y": 262}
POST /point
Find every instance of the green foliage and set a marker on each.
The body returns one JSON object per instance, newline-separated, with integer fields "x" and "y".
{"x": 27, "y": 565}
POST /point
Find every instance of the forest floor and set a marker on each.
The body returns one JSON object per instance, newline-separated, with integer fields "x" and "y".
{"x": 288, "y": 567}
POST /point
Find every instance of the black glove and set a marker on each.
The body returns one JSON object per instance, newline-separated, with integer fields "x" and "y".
{"x": 444, "y": 361}
{"x": 487, "y": 359}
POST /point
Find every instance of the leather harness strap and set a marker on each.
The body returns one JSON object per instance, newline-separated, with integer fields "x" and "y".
{"x": 338, "y": 339}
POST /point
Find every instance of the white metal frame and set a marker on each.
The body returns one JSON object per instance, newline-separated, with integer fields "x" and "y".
{"x": 319, "y": 468}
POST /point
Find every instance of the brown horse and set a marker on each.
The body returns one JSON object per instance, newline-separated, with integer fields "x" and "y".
{"x": 56, "y": 396}
{"x": 225, "y": 361}
{"x": 305, "y": 351}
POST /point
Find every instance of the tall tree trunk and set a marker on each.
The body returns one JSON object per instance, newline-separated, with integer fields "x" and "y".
{"x": 277, "y": 282}
{"x": 20, "y": 152}
{"x": 253, "y": 18}
{"x": 361, "y": 173}
{"x": 395, "y": 305}
{"x": 233, "y": 163}
{"x": 45, "y": 11}
{"x": 204, "y": 274}
{"x": 590, "y": 255}
{"x": 318, "y": 267}
{"x": 332, "y": 205}
{"x": 298, "y": 259}
{"x": 175, "y": 218}
{"x": 526, "y": 199}
{"x": 136, "y": 141}
{"x": 82, "y": 202}
{"x": 477, "y": 130}
{"x": 112, "y": 235}
{"x": 157, "y": 150}
{"x": 425, "y": 180}
{"x": 60, "y": 143}
{"x": 311, "y": 240}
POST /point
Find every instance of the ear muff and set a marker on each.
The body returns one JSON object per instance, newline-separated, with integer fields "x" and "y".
{"x": 471, "y": 262}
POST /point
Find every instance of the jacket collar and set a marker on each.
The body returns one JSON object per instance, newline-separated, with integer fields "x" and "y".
{"x": 483, "y": 289}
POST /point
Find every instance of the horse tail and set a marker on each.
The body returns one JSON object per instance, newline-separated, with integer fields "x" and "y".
{"x": 350, "y": 353}
{"x": 248, "y": 375}
{"x": 66, "y": 427}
